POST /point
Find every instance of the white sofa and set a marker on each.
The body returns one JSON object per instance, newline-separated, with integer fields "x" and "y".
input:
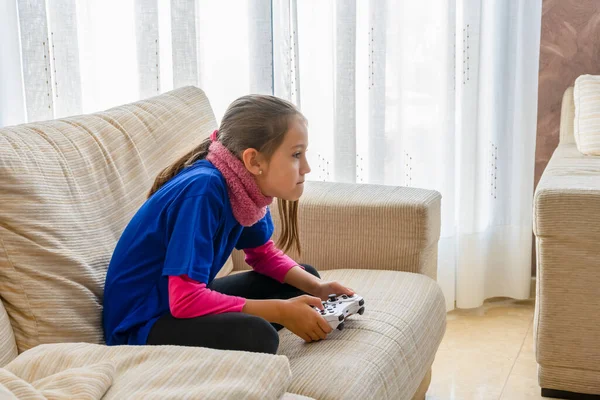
{"x": 68, "y": 187}
{"x": 567, "y": 230}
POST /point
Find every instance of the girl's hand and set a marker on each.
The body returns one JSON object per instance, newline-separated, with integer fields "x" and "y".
{"x": 327, "y": 288}
{"x": 301, "y": 319}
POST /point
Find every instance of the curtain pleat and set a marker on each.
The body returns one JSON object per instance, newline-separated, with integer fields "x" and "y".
{"x": 184, "y": 47}
{"x": 65, "y": 67}
{"x": 344, "y": 134}
{"x": 285, "y": 50}
{"x": 377, "y": 148}
{"x": 148, "y": 47}
{"x": 12, "y": 97}
{"x": 260, "y": 45}
{"x": 36, "y": 55}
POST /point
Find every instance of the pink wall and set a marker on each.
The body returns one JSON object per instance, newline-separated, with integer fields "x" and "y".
{"x": 570, "y": 46}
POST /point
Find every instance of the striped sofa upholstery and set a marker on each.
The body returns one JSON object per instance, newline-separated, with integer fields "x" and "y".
{"x": 70, "y": 186}
{"x": 586, "y": 127}
{"x": 567, "y": 230}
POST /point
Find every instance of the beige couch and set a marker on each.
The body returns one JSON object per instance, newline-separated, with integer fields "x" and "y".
{"x": 67, "y": 190}
{"x": 567, "y": 229}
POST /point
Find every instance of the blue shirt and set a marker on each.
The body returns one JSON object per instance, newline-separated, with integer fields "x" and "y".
{"x": 186, "y": 227}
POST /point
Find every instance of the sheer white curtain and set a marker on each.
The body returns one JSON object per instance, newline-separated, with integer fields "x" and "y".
{"x": 433, "y": 94}
{"x": 12, "y": 102}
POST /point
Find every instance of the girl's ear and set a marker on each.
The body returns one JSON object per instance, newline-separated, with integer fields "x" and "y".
{"x": 253, "y": 161}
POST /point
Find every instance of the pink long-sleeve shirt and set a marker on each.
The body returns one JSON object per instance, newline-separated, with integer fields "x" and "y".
{"x": 189, "y": 298}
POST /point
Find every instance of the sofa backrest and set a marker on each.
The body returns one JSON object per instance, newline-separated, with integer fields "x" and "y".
{"x": 68, "y": 188}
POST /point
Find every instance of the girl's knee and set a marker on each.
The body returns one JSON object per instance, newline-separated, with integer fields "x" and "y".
{"x": 261, "y": 336}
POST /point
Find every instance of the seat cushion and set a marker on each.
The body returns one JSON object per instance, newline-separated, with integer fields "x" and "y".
{"x": 384, "y": 353}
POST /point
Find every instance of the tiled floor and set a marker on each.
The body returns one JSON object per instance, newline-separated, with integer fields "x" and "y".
{"x": 487, "y": 353}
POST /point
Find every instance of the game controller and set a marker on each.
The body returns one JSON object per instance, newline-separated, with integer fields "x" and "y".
{"x": 337, "y": 308}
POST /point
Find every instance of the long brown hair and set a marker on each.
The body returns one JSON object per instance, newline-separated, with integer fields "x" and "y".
{"x": 258, "y": 122}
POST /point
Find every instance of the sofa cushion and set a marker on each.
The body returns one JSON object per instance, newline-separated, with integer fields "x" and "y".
{"x": 567, "y": 200}
{"x": 384, "y": 353}
{"x": 587, "y": 114}
{"x": 69, "y": 187}
{"x": 147, "y": 372}
{"x": 8, "y": 346}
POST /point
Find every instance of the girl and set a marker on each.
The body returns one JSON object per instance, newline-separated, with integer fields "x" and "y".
{"x": 160, "y": 287}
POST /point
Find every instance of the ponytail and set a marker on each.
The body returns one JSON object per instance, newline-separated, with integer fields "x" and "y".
{"x": 290, "y": 237}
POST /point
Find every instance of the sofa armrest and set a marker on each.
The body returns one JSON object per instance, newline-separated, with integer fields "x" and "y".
{"x": 567, "y": 229}
{"x": 367, "y": 227}
{"x": 567, "y": 198}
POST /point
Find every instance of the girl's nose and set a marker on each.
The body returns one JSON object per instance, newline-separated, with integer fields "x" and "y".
{"x": 306, "y": 169}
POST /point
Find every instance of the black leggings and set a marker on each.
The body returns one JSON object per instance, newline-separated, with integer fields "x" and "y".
{"x": 229, "y": 331}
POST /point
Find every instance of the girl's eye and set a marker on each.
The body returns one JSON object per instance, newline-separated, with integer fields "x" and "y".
{"x": 297, "y": 155}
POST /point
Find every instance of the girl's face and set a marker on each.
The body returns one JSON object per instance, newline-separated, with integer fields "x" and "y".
{"x": 283, "y": 175}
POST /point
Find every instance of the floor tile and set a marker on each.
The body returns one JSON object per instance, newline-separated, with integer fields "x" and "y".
{"x": 480, "y": 349}
{"x": 522, "y": 383}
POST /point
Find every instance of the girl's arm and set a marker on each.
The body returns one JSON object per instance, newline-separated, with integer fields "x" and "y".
{"x": 189, "y": 298}
{"x": 295, "y": 314}
{"x": 271, "y": 310}
{"x": 307, "y": 282}
{"x": 270, "y": 261}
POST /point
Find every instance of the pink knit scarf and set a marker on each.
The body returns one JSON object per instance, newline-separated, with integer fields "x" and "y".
{"x": 247, "y": 201}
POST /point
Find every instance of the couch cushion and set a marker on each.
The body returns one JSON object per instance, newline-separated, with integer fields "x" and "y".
{"x": 8, "y": 346}
{"x": 69, "y": 187}
{"x": 567, "y": 200}
{"x": 150, "y": 372}
{"x": 384, "y": 353}
{"x": 587, "y": 114}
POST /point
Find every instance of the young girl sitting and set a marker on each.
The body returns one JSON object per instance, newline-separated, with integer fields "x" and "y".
{"x": 160, "y": 287}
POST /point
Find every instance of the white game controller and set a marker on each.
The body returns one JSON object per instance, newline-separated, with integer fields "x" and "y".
{"x": 338, "y": 308}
